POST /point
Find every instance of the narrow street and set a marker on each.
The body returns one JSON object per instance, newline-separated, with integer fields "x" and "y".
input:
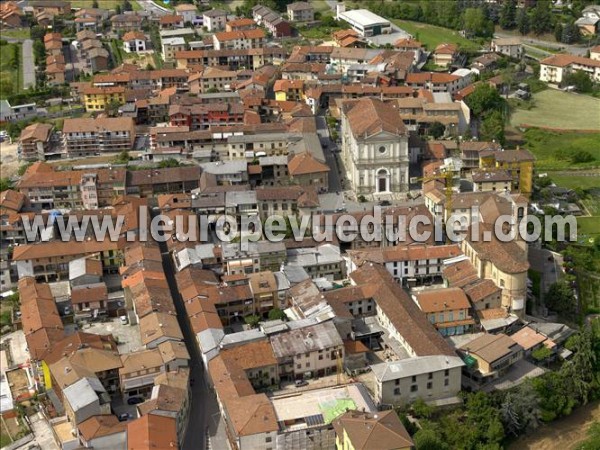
{"x": 335, "y": 184}
{"x": 195, "y": 437}
{"x": 28, "y": 64}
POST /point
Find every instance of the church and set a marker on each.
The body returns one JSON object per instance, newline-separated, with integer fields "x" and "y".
{"x": 374, "y": 147}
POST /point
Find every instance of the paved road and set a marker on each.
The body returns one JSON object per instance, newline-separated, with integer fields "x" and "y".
{"x": 565, "y": 48}
{"x": 335, "y": 184}
{"x": 195, "y": 436}
{"x": 28, "y": 65}
{"x": 152, "y": 8}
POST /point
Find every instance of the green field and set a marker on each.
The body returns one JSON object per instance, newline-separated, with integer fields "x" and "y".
{"x": 574, "y": 181}
{"x": 105, "y": 4}
{"x": 11, "y": 70}
{"x": 432, "y": 35}
{"x": 16, "y": 33}
{"x": 588, "y": 227}
{"x": 558, "y": 109}
{"x": 552, "y": 149}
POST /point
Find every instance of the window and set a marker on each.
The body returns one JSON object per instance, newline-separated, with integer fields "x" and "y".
{"x": 397, "y": 391}
{"x": 414, "y": 378}
{"x": 430, "y": 376}
{"x": 382, "y": 149}
{"x": 397, "y": 381}
{"x": 298, "y": 366}
{"x": 446, "y": 382}
{"x": 447, "y": 372}
{"x": 307, "y": 365}
{"x": 414, "y": 388}
{"x": 429, "y": 385}
{"x": 268, "y": 439}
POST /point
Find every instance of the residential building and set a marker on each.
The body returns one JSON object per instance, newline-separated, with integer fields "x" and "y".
{"x": 152, "y": 430}
{"x": 323, "y": 261}
{"x": 238, "y": 40}
{"x": 301, "y": 12}
{"x": 362, "y": 430}
{"x": 102, "y": 432}
{"x": 448, "y": 309}
{"x": 102, "y": 98}
{"x": 445, "y": 54}
{"x": 86, "y": 137}
{"x": 589, "y": 22}
{"x": 272, "y": 21}
{"x": 126, "y": 22}
{"x": 84, "y": 399}
{"x": 518, "y": 163}
{"x": 214, "y": 20}
{"x": 172, "y": 45}
{"x": 171, "y": 22}
{"x": 374, "y": 147}
{"x": 134, "y": 41}
{"x": 55, "y": 69}
{"x": 10, "y": 15}
{"x": 35, "y": 142}
{"x": 312, "y": 351}
{"x": 490, "y": 356}
{"x": 555, "y": 68}
{"x": 485, "y": 180}
{"x": 242, "y": 24}
{"x": 159, "y": 327}
{"x": 508, "y": 46}
{"x": 189, "y": 13}
{"x": 427, "y": 377}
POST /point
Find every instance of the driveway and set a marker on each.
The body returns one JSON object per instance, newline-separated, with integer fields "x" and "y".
{"x": 28, "y": 64}
{"x": 573, "y": 49}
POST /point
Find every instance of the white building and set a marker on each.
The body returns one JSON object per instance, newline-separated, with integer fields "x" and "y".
{"x": 555, "y": 68}
{"x": 172, "y": 45}
{"x": 214, "y": 20}
{"x": 374, "y": 147}
{"x": 189, "y": 13}
{"x": 508, "y": 46}
{"x": 364, "y": 21}
{"x": 134, "y": 41}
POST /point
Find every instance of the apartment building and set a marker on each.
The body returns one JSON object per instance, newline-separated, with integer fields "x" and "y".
{"x": 555, "y": 68}
{"x": 35, "y": 142}
{"x": 101, "y": 98}
{"x": 323, "y": 261}
{"x": 238, "y": 40}
{"x": 87, "y": 137}
{"x": 490, "y": 356}
{"x": 518, "y": 163}
{"x": 259, "y": 256}
{"x": 214, "y": 20}
{"x": 486, "y": 180}
{"x": 49, "y": 261}
{"x": 301, "y": 12}
{"x": 447, "y": 309}
{"x": 312, "y": 351}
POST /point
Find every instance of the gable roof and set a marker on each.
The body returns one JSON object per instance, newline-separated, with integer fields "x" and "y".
{"x": 381, "y": 431}
{"x": 370, "y": 116}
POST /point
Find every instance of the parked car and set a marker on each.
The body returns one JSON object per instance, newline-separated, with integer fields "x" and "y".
{"x": 300, "y": 383}
{"x": 134, "y": 400}
{"x": 124, "y": 417}
{"x": 124, "y": 320}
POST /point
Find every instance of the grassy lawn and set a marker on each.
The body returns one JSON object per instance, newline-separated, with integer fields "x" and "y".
{"x": 432, "y": 35}
{"x": 16, "y": 33}
{"x": 11, "y": 70}
{"x": 105, "y": 4}
{"x": 573, "y": 181}
{"x": 321, "y": 6}
{"x": 323, "y": 33}
{"x": 592, "y": 204}
{"x": 588, "y": 227}
{"x": 558, "y": 109}
{"x": 552, "y": 149}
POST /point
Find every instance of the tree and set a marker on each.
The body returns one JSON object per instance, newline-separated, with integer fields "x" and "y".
{"x": 123, "y": 157}
{"x": 437, "y": 130}
{"x": 118, "y": 9}
{"x": 23, "y": 168}
{"x": 541, "y": 20}
{"x": 127, "y": 6}
{"x": 560, "y": 298}
{"x": 95, "y": 4}
{"x": 252, "y": 320}
{"x": 508, "y": 15}
{"x": 570, "y": 33}
{"x": 112, "y": 108}
{"x": 475, "y": 22}
{"x": 276, "y": 314}
{"x": 582, "y": 156}
{"x": 558, "y": 31}
{"x": 541, "y": 354}
{"x": 580, "y": 80}
{"x": 426, "y": 439}
{"x": 579, "y": 372}
{"x": 523, "y": 21}
{"x": 5, "y": 184}
{"x": 170, "y": 162}
{"x": 492, "y": 128}
{"x": 520, "y": 409}
{"x": 485, "y": 99}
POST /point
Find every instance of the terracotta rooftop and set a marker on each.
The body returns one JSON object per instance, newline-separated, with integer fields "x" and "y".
{"x": 366, "y": 431}
{"x": 152, "y": 432}
{"x": 98, "y": 426}
{"x": 370, "y": 116}
{"x": 438, "y": 300}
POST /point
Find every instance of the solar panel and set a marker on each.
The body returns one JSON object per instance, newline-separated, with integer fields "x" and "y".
{"x": 315, "y": 420}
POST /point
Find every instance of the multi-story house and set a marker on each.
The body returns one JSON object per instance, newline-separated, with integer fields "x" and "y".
{"x": 272, "y": 21}
{"x": 555, "y": 68}
{"x": 87, "y": 137}
{"x": 471, "y": 151}
{"x": 35, "y": 141}
{"x": 374, "y": 147}
{"x": 238, "y": 40}
{"x": 172, "y": 45}
{"x": 490, "y": 356}
{"x": 312, "y": 351}
{"x": 189, "y": 13}
{"x": 518, "y": 163}
{"x": 511, "y": 47}
{"x": 445, "y": 54}
{"x": 126, "y": 22}
{"x": 134, "y": 41}
{"x": 447, "y": 309}
{"x": 486, "y": 180}
{"x": 100, "y": 98}
{"x": 140, "y": 369}
{"x": 301, "y": 12}
{"x": 324, "y": 261}
{"x": 259, "y": 256}
{"x": 214, "y": 20}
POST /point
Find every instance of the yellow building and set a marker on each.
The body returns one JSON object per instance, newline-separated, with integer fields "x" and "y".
{"x": 356, "y": 430}
{"x": 97, "y": 99}
{"x": 518, "y": 163}
{"x": 289, "y": 90}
